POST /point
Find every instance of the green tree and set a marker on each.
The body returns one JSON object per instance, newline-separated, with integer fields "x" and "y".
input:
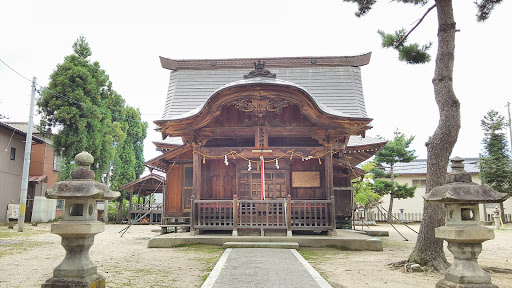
{"x": 429, "y": 250}
{"x": 78, "y": 103}
{"x": 364, "y": 195}
{"x": 495, "y": 162}
{"x": 397, "y": 191}
{"x": 129, "y": 158}
{"x": 395, "y": 151}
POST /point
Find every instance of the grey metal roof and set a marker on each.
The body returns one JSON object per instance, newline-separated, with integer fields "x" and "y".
{"x": 337, "y": 88}
{"x": 21, "y": 128}
{"x": 356, "y": 140}
{"x": 419, "y": 166}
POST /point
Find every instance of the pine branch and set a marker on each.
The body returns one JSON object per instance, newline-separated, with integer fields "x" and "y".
{"x": 417, "y": 24}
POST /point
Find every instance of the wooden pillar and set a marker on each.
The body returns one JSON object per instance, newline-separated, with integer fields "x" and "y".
{"x": 164, "y": 197}
{"x": 235, "y": 215}
{"x": 196, "y": 166}
{"x": 333, "y": 217}
{"x": 129, "y": 206}
{"x": 289, "y": 215}
{"x": 192, "y": 216}
{"x": 328, "y": 175}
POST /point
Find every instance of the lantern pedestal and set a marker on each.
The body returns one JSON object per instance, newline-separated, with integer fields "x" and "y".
{"x": 77, "y": 269}
{"x": 79, "y": 226}
{"x": 465, "y": 243}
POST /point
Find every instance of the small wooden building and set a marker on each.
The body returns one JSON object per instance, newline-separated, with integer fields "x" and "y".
{"x": 263, "y": 143}
{"x": 145, "y": 211}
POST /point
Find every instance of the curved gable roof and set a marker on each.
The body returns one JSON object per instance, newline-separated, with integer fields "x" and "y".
{"x": 333, "y": 83}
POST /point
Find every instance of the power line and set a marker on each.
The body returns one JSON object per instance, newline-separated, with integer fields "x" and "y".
{"x": 16, "y": 71}
{"x": 69, "y": 99}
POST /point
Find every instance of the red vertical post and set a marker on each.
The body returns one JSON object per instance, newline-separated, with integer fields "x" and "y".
{"x": 262, "y": 162}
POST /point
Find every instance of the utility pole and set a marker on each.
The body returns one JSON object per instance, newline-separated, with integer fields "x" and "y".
{"x": 26, "y": 161}
{"x": 509, "y": 126}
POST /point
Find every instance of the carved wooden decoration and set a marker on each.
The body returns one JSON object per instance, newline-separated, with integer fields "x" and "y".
{"x": 261, "y": 106}
{"x": 259, "y": 71}
{"x": 306, "y": 179}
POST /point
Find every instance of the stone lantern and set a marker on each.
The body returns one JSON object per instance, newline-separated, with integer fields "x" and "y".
{"x": 78, "y": 225}
{"x": 463, "y": 231}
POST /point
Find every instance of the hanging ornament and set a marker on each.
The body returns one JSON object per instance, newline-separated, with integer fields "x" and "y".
{"x": 249, "y": 168}
{"x": 204, "y": 159}
{"x": 277, "y": 165}
{"x": 226, "y": 160}
{"x": 319, "y": 161}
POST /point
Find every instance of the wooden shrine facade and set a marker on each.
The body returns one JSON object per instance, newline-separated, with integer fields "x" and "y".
{"x": 261, "y": 153}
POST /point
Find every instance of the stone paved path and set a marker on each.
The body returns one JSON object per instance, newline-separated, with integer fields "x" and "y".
{"x": 263, "y": 267}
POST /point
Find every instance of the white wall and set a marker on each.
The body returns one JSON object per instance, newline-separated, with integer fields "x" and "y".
{"x": 44, "y": 209}
{"x": 415, "y": 204}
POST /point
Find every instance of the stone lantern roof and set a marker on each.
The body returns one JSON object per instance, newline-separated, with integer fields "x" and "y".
{"x": 82, "y": 184}
{"x": 460, "y": 188}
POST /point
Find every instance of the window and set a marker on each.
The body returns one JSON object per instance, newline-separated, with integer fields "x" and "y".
{"x": 188, "y": 183}
{"x": 60, "y": 204}
{"x": 419, "y": 182}
{"x": 57, "y": 162}
{"x": 13, "y": 153}
{"x": 249, "y": 184}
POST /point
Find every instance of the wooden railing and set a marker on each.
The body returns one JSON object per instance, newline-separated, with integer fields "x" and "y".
{"x": 265, "y": 214}
{"x": 213, "y": 213}
{"x": 311, "y": 214}
{"x": 146, "y": 206}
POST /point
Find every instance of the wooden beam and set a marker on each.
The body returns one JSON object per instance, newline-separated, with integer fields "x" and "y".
{"x": 297, "y": 131}
{"x": 247, "y": 152}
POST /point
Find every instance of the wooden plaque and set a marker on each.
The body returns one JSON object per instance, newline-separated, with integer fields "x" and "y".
{"x": 306, "y": 179}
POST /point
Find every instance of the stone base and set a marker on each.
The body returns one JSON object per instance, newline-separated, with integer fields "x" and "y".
{"x": 93, "y": 281}
{"x": 448, "y": 284}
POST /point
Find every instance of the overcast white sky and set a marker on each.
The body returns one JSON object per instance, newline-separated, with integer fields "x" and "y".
{"x": 126, "y": 39}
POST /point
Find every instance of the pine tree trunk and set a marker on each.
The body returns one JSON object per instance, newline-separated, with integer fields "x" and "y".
{"x": 428, "y": 249}
{"x": 391, "y": 196}
{"x": 502, "y": 212}
{"x": 390, "y": 214}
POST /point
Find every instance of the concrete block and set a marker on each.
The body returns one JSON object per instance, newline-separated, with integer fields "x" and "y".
{"x": 376, "y": 233}
{"x": 279, "y": 245}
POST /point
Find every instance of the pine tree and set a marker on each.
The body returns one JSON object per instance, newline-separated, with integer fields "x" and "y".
{"x": 395, "y": 151}
{"x": 429, "y": 250}
{"x": 495, "y": 162}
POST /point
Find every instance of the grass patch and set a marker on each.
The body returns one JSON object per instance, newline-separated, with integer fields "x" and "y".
{"x": 19, "y": 247}
{"x": 211, "y": 255}
{"x": 202, "y": 248}
{"x": 320, "y": 253}
{"x": 13, "y": 233}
